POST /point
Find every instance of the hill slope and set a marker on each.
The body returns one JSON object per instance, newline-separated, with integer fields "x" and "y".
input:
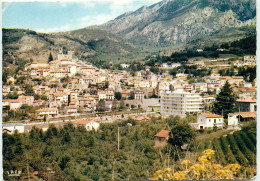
{"x": 88, "y": 43}
{"x": 174, "y": 21}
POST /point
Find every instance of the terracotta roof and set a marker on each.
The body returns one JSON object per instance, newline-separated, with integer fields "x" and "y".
{"x": 71, "y": 107}
{"x": 81, "y": 122}
{"x": 244, "y": 114}
{"x": 14, "y": 101}
{"x": 142, "y": 118}
{"x": 212, "y": 115}
{"x": 46, "y": 109}
{"x": 38, "y": 101}
{"x": 96, "y": 119}
{"x": 163, "y": 134}
{"x": 247, "y": 99}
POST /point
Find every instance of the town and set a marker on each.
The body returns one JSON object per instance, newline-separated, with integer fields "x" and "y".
{"x": 129, "y": 90}
{"x": 68, "y": 89}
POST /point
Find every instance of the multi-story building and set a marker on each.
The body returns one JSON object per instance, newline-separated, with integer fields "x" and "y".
{"x": 180, "y": 103}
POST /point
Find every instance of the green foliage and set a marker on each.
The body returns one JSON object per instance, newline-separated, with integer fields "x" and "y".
{"x": 13, "y": 95}
{"x": 225, "y": 101}
{"x": 236, "y": 151}
{"x": 50, "y": 58}
{"x": 228, "y": 153}
{"x": 219, "y": 153}
{"x": 29, "y": 90}
{"x": 118, "y": 95}
{"x": 249, "y": 73}
{"x": 101, "y": 106}
{"x": 243, "y": 148}
{"x": 181, "y": 134}
{"x": 77, "y": 154}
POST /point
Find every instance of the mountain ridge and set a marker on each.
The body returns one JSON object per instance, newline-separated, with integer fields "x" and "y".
{"x": 167, "y": 25}
{"x": 176, "y": 21}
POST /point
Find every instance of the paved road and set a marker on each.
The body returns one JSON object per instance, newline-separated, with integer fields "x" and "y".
{"x": 59, "y": 123}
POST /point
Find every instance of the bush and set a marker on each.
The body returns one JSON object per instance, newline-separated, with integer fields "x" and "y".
{"x": 220, "y": 157}
{"x": 248, "y": 141}
{"x": 236, "y": 151}
{"x": 228, "y": 153}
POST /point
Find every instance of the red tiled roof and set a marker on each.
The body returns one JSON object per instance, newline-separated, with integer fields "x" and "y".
{"x": 212, "y": 115}
{"x": 81, "y": 122}
{"x": 247, "y": 99}
{"x": 46, "y": 109}
{"x": 244, "y": 114}
{"x": 163, "y": 134}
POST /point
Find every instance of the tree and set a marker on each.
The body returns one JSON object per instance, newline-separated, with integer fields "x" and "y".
{"x": 29, "y": 90}
{"x": 181, "y": 134}
{"x": 101, "y": 106}
{"x": 50, "y": 58}
{"x": 118, "y": 95}
{"x": 114, "y": 104}
{"x": 225, "y": 101}
{"x": 122, "y": 104}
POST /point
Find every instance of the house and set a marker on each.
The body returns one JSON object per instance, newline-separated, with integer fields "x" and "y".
{"x": 161, "y": 138}
{"x": 26, "y": 99}
{"x": 14, "y": 104}
{"x": 102, "y": 95}
{"x": 208, "y": 121}
{"x": 247, "y": 104}
{"x": 139, "y": 95}
{"x": 48, "y": 112}
{"x": 5, "y": 103}
{"x": 89, "y": 124}
{"x": 124, "y": 66}
{"x": 11, "y": 127}
{"x": 70, "y": 110}
{"x": 235, "y": 118}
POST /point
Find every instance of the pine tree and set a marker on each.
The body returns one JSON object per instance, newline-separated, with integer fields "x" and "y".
{"x": 225, "y": 101}
{"x": 50, "y": 58}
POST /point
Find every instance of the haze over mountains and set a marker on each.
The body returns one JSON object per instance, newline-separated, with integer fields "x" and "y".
{"x": 132, "y": 35}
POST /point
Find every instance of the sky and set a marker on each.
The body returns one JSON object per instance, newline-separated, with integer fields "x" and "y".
{"x": 54, "y": 16}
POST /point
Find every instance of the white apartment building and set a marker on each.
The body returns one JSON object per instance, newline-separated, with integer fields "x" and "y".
{"x": 180, "y": 103}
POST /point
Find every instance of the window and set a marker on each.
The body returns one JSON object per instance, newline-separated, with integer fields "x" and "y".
{"x": 209, "y": 120}
{"x": 215, "y": 120}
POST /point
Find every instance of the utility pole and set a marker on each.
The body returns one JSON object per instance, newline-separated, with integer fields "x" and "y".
{"x": 118, "y": 138}
{"x": 27, "y": 168}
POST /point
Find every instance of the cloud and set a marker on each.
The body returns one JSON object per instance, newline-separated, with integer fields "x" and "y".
{"x": 95, "y": 20}
{"x": 66, "y": 27}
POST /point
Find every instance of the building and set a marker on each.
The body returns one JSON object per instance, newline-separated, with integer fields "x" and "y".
{"x": 246, "y": 104}
{"x": 11, "y": 127}
{"x": 48, "y": 112}
{"x": 14, "y": 104}
{"x": 89, "y": 124}
{"x": 235, "y": 118}
{"x": 161, "y": 138}
{"x": 68, "y": 110}
{"x": 208, "y": 121}
{"x": 180, "y": 103}
{"x": 138, "y": 95}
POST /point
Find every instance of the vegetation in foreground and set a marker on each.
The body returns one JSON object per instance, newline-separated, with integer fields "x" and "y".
{"x": 75, "y": 154}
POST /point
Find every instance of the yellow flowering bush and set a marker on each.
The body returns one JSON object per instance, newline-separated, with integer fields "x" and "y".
{"x": 204, "y": 169}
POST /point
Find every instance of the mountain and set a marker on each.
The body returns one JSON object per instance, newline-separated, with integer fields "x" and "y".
{"x": 88, "y": 44}
{"x": 168, "y": 25}
{"x": 171, "y": 22}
